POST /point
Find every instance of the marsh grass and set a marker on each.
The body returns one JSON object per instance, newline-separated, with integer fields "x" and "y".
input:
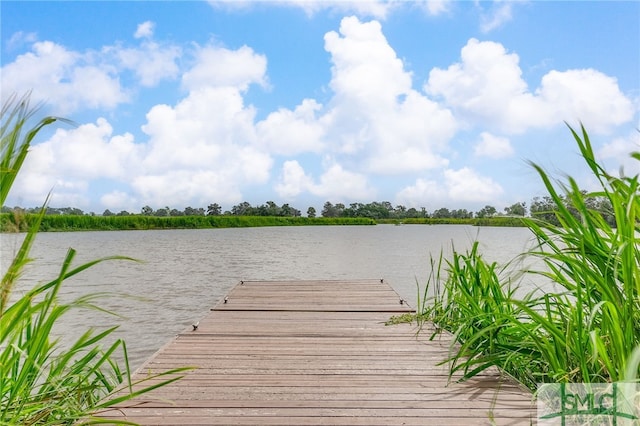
{"x": 41, "y": 381}
{"x": 585, "y": 327}
{"x": 13, "y": 221}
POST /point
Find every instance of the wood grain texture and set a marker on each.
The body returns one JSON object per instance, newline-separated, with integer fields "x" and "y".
{"x": 317, "y": 353}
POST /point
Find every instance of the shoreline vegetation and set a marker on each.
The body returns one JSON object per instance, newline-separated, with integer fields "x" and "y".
{"x": 22, "y": 222}
{"x": 42, "y": 381}
{"x": 584, "y": 326}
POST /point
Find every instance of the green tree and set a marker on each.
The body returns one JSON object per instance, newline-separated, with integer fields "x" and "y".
{"x": 241, "y": 209}
{"x": 311, "y": 212}
{"x": 190, "y": 211}
{"x": 71, "y": 211}
{"x": 353, "y": 210}
{"x": 214, "y": 209}
{"x": 146, "y": 211}
{"x": 441, "y": 213}
{"x": 486, "y": 211}
{"x": 400, "y": 211}
{"x": 516, "y": 209}
{"x": 328, "y": 210}
{"x": 412, "y": 212}
{"x": 461, "y": 214}
{"x": 273, "y": 209}
{"x": 544, "y": 209}
{"x": 162, "y": 212}
{"x": 287, "y": 210}
{"x": 603, "y": 206}
{"x": 261, "y": 210}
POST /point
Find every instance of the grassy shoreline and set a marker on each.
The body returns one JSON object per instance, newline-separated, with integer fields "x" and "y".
{"x": 65, "y": 223}
{"x": 583, "y": 329}
{"x": 11, "y": 222}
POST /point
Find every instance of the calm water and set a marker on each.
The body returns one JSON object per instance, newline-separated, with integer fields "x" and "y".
{"x": 185, "y": 272}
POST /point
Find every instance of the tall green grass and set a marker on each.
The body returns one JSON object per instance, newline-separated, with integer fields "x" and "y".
{"x": 20, "y": 222}
{"x": 583, "y": 325}
{"x": 41, "y": 381}
{"x": 12, "y": 221}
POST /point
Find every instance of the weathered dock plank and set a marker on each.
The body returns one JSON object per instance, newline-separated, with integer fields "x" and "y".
{"x": 317, "y": 353}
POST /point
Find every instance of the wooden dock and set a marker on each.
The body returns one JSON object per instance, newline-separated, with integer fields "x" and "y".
{"x": 317, "y": 353}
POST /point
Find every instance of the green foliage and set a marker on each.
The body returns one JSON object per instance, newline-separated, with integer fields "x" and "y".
{"x": 408, "y": 318}
{"x": 516, "y": 209}
{"x": 486, "y": 221}
{"x": 42, "y": 382}
{"x": 15, "y": 221}
{"x": 585, "y": 326}
{"x": 16, "y": 114}
{"x": 11, "y": 221}
{"x": 311, "y": 212}
{"x": 509, "y": 221}
{"x": 486, "y": 211}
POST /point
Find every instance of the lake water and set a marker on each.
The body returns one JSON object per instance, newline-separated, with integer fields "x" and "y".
{"x": 184, "y": 273}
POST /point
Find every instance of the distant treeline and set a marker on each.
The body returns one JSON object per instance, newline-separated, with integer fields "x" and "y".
{"x": 271, "y": 214}
{"x": 373, "y": 210}
{"x": 506, "y": 221}
{"x": 20, "y": 222}
{"x": 17, "y": 222}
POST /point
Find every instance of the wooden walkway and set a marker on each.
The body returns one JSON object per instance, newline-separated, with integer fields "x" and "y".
{"x": 317, "y": 353}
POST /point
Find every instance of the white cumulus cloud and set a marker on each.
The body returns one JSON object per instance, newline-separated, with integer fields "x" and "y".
{"x": 340, "y": 184}
{"x": 499, "y": 14}
{"x": 487, "y": 89}
{"x": 293, "y": 180}
{"x": 117, "y": 201}
{"x": 493, "y": 146}
{"x": 437, "y": 7}
{"x": 375, "y": 116}
{"x": 375, "y": 122}
{"x": 370, "y": 8}
{"x": 70, "y": 81}
{"x": 205, "y": 147}
{"x": 72, "y": 158}
{"x": 151, "y": 62}
{"x": 202, "y": 149}
{"x": 335, "y": 183}
{"x": 617, "y": 154}
{"x": 144, "y": 30}
{"x": 453, "y": 186}
{"x": 421, "y": 193}
{"x": 218, "y": 66}
{"x": 585, "y": 95}
{"x": 289, "y": 132}
{"x": 465, "y": 185}
{"x": 19, "y": 38}
{"x": 66, "y": 80}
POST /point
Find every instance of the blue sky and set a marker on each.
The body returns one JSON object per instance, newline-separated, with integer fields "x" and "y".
{"x": 425, "y": 104}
